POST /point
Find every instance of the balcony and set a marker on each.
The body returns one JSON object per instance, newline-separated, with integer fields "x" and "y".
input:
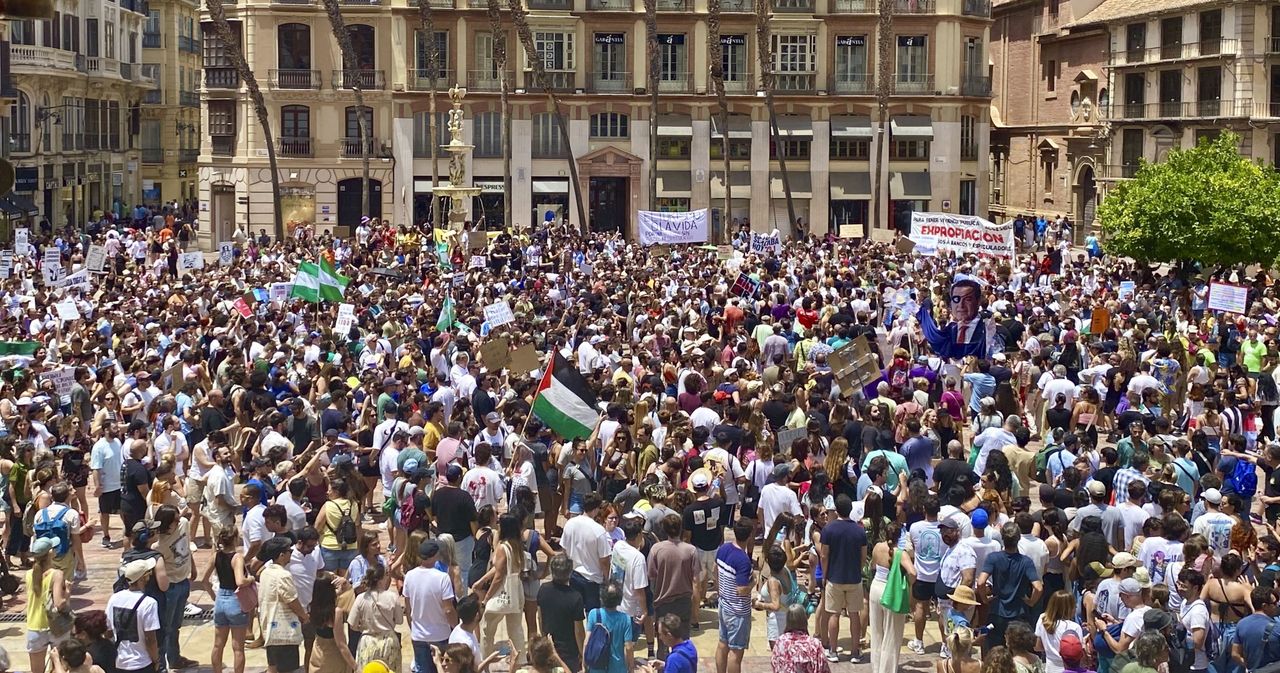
{"x": 747, "y": 6}
{"x": 913, "y": 7}
{"x": 611, "y": 82}
{"x": 221, "y": 78}
{"x": 26, "y": 58}
{"x": 1126, "y": 170}
{"x": 853, "y": 7}
{"x": 1273, "y": 45}
{"x": 376, "y": 148}
{"x": 481, "y": 4}
{"x": 153, "y": 97}
{"x": 559, "y": 80}
{"x": 975, "y": 85}
{"x": 307, "y": 80}
{"x": 153, "y": 155}
{"x": 674, "y": 5}
{"x": 222, "y": 146}
{"x": 675, "y": 82}
{"x": 189, "y": 98}
{"x": 436, "y": 4}
{"x": 980, "y": 8}
{"x": 296, "y": 147}
{"x": 1177, "y": 51}
{"x": 20, "y": 143}
{"x": 913, "y": 83}
{"x": 152, "y": 41}
{"x": 367, "y": 80}
{"x": 103, "y": 67}
{"x": 126, "y": 72}
{"x": 852, "y": 83}
{"x": 139, "y": 6}
{"x": 188, "y": 44}
{"x": 487, "y": 80}
{"x": 794, "y": 6}
{"x": 360, "y": 3}
{"x": 420, "y": 80}
{"x": 560, "y": 5}
{"x": 188, "y": 156}
{"x": 1044, "y": 24}
{"x": 795, "y": 82}
{"x": 742, "y": 83}
{"x": 610, "y": 5}
{"x": 1203, "y": 109}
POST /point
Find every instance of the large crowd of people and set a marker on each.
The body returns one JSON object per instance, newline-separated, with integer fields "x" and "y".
{"x": 688, "y": 451}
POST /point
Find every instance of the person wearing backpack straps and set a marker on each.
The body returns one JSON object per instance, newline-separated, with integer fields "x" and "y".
{"x": 134, "y": 618}
{"x": 610, "y": 635}
{"x": 1257, "y": 642}
{"x": 62, "y": 523}
{"x": 338, "y": 526}
{"x": 43, "y": 578}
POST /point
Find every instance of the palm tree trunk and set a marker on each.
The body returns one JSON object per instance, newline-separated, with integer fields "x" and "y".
{"x": 764, "y": 50}
{"x": 716, "y": 56}
{"x": 428, "y": 20}
{"x": 339, "y": 26}
{"x": 540, "y": 77}
{"x": 504, "y": 82}
{"x": 884, "y": 84}
{"x": 651, "y": 55}
{"x": 235, "y": 51}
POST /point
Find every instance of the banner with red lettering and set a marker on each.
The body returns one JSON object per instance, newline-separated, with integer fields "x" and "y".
{"x": 963, "y": 234}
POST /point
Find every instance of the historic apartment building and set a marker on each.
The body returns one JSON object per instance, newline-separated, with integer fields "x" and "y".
{"x": 170, "y": 127}
{"x": 73, "y": 123}
{"x": 1048, "y": 128}
{"x": 823, "y": 53}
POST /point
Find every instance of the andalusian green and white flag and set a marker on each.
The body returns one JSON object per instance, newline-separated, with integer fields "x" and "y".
{"x": 447, "y": 315}
{"x": 314, "y": 282}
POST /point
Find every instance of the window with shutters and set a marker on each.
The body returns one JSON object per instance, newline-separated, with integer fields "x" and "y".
{"x": 547, "y": 140}
{"x": 421, "y": 140}
{"x": 555, "y": 50}
{"x": 487, "y": 134}
{"x": 610, "y": 125}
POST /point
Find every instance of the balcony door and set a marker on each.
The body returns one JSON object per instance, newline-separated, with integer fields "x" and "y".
{"x": 363, "y": 45}
{"x": 293, "y": 56}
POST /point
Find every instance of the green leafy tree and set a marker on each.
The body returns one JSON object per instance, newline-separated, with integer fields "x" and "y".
{"x": 1207, "y": 204}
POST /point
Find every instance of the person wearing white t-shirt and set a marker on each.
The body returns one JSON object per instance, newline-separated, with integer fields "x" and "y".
{"x": 481, "y": 482}
{"x": 1132, "y": 514}
{"x": 777, "y": 497}
{"x": 628, "y": 568}
{"x": 591, "y": 550}
{"x": 1194, "y": 615}
{"x": 465, "y": 633}
{"x": 255, "y": 526}
{"x": 734, "y": 476}
{"x": 1131, "y": 596}
{"x": 429, "y": 603}
{"x": 1214, "y": 525}
{"x": 134, "y": 618}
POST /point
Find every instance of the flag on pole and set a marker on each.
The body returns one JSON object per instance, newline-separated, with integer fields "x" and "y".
{"x": 332, "y": 285}
{"x": 564, "y": 401}
{"x": 446, "y": 319}
{"x": 306, "y": 282}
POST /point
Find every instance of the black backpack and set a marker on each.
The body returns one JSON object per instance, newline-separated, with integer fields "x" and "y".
{"x": 347, "y": 533}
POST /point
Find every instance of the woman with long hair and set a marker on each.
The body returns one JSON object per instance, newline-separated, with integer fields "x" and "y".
{"x": 1229, "y": 600}
{"x": 370, "y": 555}
{"x": 329, "y": 609}
{"x": 1059, "y": 619}
{"x": 774, "y": 594}
{"x": 534, "y": 544}
{"x": 375, "y": 615}
{"x": 44, "y": 578}
{"x": 447, "y": 561}
{"x": 886, "y": 626}
{"x": 341, "y": 502}
{"x": 454, "y": 658}
{"x": 998, "y": 660}
{"x": 960, "y": 644}
{"x": 501, "y": 590}
{"x": 230, "y": 619}
{"x": 91, "y": 629}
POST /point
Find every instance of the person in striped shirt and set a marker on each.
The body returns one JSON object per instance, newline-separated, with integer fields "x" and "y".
{"x": 735, "y": 579}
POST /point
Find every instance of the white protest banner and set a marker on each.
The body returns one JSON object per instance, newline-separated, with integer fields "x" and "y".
{"x": 67, "y": 310}
{"x": 1126, "y": 289}
{"x": 762, "y": 243}
{"x": 665, "y": 228}
{"x": 477, "y": 262}
{"x": 78, "y": 279}
{"x": 498, "y": 314}
{"x": 280, "y": 291}
{"x": 6, "y": 268}
{"x": 96, "y": 260}
{"x": 189, "y": 261}
{"x": 1227, "y": 297}
{"x": 52, "y": 255}
{"x": 20, "y": 238}
{"x": 52, "y": 273}
{"x": 346, "y": 319}
{"x": 964, "y": 234}
{"x": 63, "y": 379}
{"x": 226, "y": 253}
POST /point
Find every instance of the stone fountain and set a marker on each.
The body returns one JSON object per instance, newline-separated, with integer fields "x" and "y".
{"x": 459, "y": 195}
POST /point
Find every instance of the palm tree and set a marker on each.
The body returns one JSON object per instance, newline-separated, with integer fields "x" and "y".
{"x": 716, "y": 56}
{"x": 235, "y": 51}
{"x": 540, "y": 77}
{"x": 764, "y": 51}
{"x": 428, "y": 20}
{"x": 651, "y": 55}
{"x": 339, "y": 26}
{"x": 884, "y": 73}
{"x": 500, "y": 62}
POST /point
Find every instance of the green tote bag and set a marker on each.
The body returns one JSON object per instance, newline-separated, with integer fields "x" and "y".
{"x": 897, "y": 593}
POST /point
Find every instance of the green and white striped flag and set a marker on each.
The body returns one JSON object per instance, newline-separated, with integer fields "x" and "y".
{"x": 332, "y": 285}
{"x": 306, "y": 282}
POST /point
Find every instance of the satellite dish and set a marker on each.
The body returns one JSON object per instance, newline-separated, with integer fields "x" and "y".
{"x": 6, "y": 176}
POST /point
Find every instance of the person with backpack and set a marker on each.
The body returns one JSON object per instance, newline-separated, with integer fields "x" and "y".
{"x": 610, "y": 635}
{"x": 134, "y": 618}
{"x": 62, "y": 523}
{"x": 336, "y": 523}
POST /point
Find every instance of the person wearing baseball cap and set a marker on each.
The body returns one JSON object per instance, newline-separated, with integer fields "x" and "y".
{"x": 1134, "y": 599}
{"x": 137, "y": 632}
{"x": 1215, "y": 525}
{"x": 705, "y": 519}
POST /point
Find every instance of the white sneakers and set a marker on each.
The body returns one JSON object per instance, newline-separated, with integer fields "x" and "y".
{"x": 916, "y": 646}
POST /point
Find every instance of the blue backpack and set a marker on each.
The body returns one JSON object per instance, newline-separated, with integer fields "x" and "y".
{"x": 1244, "y": 479}
{"x": 599, "y": 645}
{"x": 55, "y": 528}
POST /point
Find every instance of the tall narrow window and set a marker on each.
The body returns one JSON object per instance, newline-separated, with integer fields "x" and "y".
{"x": 912, "y": 63}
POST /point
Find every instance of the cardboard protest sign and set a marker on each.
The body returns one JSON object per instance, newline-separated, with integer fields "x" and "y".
{"x": 495, "y": 354}
{"x": 524, "y": 360}
{"x": 67, "y": 310}
{"x": 854, "y": 366}
{"x": 787, "y": 437}
{"x": 52, "y": 255}
{"x": 96, "y": 259}
{"x": 498, "y": 314}
{"x": 242, "y": 307}
{"x": 477, "y": 240}
{"x": 52, "y": 273}
{"x": 762, "y": 243}
{"x": 21, "y": 236}
{"x": 172, "y": 377}
{"x": 189, "y": 261}
{"x": 280, "y": 291}
{"x": 346, "y": 320}
{"x": 904, "y": 245}
{"x": 64, "y": 378}
{"x": 883, "y": 235}
{"x": 1100, "y": 321}
{"x": 852, "y": 230}
{"x": 226, "y": 253}
{"x": 744, "y": 286}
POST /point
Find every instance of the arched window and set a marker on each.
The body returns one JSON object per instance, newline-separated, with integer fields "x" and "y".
{"x": 293, "y": 46}
{"x": 363, "y": 45}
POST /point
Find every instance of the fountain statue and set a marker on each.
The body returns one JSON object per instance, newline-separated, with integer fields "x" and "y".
{"x": 459, "y": 195}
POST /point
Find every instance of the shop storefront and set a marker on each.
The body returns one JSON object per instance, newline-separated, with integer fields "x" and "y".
{"x": 801, "y": 193}
{"x": 850, "y": 198}
{"x": 297, "y": 206}
{"x": 487, "y": 208}
{"x": 909, "y": 193}
{"x": 675, "y": 191}
{"x": 550, "y": 197}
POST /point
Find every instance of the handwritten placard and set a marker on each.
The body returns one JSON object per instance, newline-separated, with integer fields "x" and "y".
{"x": 1228, "y": 298}
{"x": 190, "y": 261}
{"x": 524, "y": 360}
{"x": 67, "y": 310}
{"x": 495, "y": 354}
{"x": 346, "y": 320}
{"x": 226, "y": 253}
{"x": 96, "y": 259}
{"x": 851, "y": 230}
{"x": 498, "y": 314}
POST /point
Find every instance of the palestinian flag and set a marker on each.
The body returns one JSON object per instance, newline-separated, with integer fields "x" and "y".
{"x": 564, "y": 401}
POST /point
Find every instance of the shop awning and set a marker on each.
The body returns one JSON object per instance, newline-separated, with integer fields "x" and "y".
{"x": 740, "y": 181}
{"x": 800, "y": 185}
{"x": 847, "y": 126}
{"x": 795, "y": 126}
{"x": 550, "y": 186}
{"x": 675, "y": 125}
{"x": 675, "y": 184}
{"x": 910, "y": 186}
{"x": 739, "y": 127}
{"x": 18, "y": 205}
{"x": 911, "y": 126}
{"x": 850, "y": 186}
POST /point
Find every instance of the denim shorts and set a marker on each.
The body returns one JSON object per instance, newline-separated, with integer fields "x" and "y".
{"x": 575, "y": 503}
{"x": 226, "y": 610}
{"x": 735, "y": 630}
{"x": 336, "y": 560}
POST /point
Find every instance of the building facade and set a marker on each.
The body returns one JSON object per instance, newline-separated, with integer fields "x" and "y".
{"x": 170, "y": 127}
{"x": 823, "y": 54}
{"x": 74, "y": 119}
{"x": 1182, "y": 70}
{"x": 1048, "y": 128}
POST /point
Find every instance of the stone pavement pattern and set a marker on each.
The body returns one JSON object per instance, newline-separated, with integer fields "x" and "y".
{"x": 197, "y": 635}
